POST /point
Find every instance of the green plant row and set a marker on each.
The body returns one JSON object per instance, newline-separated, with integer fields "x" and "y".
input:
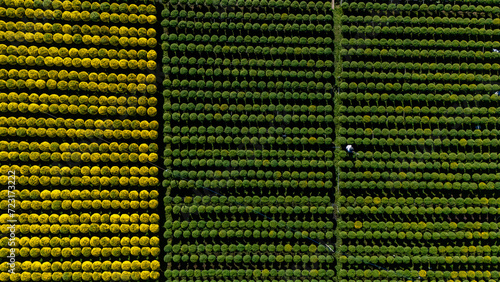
{"x": 214, "y": 62}
{"x": 462, "y": 56}
{"x": 430, "y": 274}
{"x": 433, "y": 250}
{"x": 427, "y": 201}
{"x": 239, "y": 15}
{"x": 421, "y": 211}
{"x": 259, "y": 174}
{"x": 250, "y": 274}
{"x": 249, "y": 4}
{"x": 427, "y": 22}
{"x": 421, "y": 226}
{"x": 241, "y": 95}
{"x": 246, "y": 39}
{"x": 438, "y": 32}
{"x": 436, "y": 143}
{"x": 445, "y": 9}
{"x": 249, "y": 153}
{"x": 417, "y": 67}
{"x": 448, "y": 76}
{"x": 418, "y": 131}
{"x": 245, "y": 250}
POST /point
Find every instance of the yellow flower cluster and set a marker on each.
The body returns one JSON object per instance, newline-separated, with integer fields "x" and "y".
{"x": 77, "y": 103}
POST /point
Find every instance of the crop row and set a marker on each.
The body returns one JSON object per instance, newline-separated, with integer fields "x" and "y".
{"x": 421, "y": 165}
{"x": 252, "y": 130}
{"x": 42, "y": 75}
{"x": 82, "y": 147}
{"x": 134, "y": 265}
{"x": 423, "y": 274}
{"x": 247, "y": 26}
{"x": 251, "y": 119}
{"x": 77, "y": 156}
{"x": 85, "y": 6}
{"x": 433, "y": 250}
{"x": 449, "y": 76}
{"x": 74, "y": 85}
{"x": 251, "y": 274}
{"x": 259, "y": 174}
{"x": 459, "y": 111}
{"x": 77, "y": 62}
{"x": 251, "y": 163}
{"x": 85, "y": 204}
{"x": 60, "y": 123}
{"x": 420, "y": 226}
{"x": 246, "y": 16}
{"x": 409, "y": 235}
{"x": 418, "y": 175}
{"x": 67, "y": 171}
{"x": 438, "y": 32}
{"x": 424, "y": 259}
{"x": 414, "y": 142}
{"x": 288, "y": 200}
{"x": 85, "y": 252}
{"x": 52, "y": 83}
{"x": 63, "y": 52}
{"x": 419, "y": 202}
{"x": 319, "y": 7}
{"x": 247, "y": 73}
{"x": 245, "y": 49}
{"x": 86, "y": 180}
{"x": 75, "y": 100}
{"x": 85, "y": 29}
{"x": 50, "y": 38}
{"x": 462, "y": 56}
{"x": 248, "y": 225}
{"x": 77, "y": 16}
{"x": 244, "y": 249}
{"x": 84, "y": 229}
{"x": 417, "y": 67}
{"x": 422, "y": 185}
{"x": 78, "y": 133}
{"x": 309, "y": 153}
{"x": 265, "y": 209}
{"x": 203, "y": 84}
{"x": 436, "y": 206}
{"x": 421, "y": 21}
{"x": 419, "y": 132}
{"x": 240, "y": 95}
{"x": 248, "y": 108}
{"x": 86, "y": 218}
{"x": 446, "y": 9}
{"x": 413, "y": 98}
{"x": 183, "y": 60}
{"x": 81, "y": 276}
{"x": 405, "y": 86}
{"x": 94, "y": 241}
